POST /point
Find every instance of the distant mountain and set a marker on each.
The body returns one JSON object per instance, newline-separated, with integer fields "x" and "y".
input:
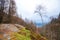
{"x": 39, "y": 24}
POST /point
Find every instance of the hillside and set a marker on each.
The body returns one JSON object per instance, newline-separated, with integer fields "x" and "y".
{"x": 17, "y": 32}
{"x": 10, "y": 31}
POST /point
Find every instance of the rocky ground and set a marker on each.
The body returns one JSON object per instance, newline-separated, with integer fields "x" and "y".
{"x": 7, "y": 30}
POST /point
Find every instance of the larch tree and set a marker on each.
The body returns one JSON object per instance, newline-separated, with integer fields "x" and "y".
{"x": 38, "y": 10}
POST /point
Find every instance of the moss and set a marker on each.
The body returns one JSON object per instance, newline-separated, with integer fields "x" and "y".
{"x": 22, "y": 35}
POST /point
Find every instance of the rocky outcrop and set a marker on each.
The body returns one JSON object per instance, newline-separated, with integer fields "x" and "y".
{"x": 6, "y": 30}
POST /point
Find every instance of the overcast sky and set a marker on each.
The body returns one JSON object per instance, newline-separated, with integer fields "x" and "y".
{"x": 26, "y": 8}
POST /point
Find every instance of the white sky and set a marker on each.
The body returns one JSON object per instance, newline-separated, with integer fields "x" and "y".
{"x": 26, "y": 8}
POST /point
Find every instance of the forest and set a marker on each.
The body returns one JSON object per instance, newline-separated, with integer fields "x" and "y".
{"x": 13, "y": 27}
